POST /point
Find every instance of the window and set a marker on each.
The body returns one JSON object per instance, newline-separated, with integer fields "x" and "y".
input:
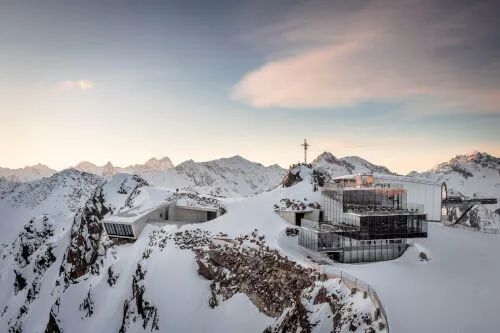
{"x": 114, "y": 229}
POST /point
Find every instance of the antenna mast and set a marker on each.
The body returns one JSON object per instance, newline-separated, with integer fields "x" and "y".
{"x": 305, "y": 145}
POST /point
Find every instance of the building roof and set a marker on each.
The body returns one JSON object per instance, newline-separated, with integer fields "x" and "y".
{"x": 402, "y": 179}
{"x": 194, "y": 205}
{"x": 305, "y": 210}
{"x": 133, "y": 214}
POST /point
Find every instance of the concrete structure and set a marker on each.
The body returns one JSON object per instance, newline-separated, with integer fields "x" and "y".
{"x": 129, "y": 223}
{"x": 296, "y": 216}
{"x": 369, "y": 218}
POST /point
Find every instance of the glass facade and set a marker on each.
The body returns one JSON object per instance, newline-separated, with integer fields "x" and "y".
{"x": 365, "y": 224}
{"x": 116, "y": 229}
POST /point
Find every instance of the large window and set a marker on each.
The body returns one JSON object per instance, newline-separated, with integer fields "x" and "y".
{"x": 116, "y": 229}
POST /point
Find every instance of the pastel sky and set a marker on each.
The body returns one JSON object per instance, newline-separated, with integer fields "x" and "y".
{"x": 402, "y": 83}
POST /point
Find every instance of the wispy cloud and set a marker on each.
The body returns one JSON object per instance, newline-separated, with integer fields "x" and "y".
{"x": 414, "y": 50}
{"x": 81, "y": 84}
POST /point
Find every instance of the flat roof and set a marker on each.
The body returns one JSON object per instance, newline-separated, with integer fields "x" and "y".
{"x": 133, "y": 214}
{"x": 307, "y": 210}
{"x": 194, "y": 205}
{"x": 381, "y": 176}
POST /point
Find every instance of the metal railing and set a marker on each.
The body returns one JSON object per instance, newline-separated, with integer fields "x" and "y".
{"x": 354, "y": 282}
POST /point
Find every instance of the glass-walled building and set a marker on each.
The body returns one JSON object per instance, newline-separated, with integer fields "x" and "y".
{"x": 363, "y": 222}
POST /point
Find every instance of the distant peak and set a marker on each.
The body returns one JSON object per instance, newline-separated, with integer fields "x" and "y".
{"x": 325, "y": 157}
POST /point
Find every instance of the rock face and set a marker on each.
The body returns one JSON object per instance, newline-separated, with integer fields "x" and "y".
{"x": 86, "y": 244}
{"x": 271, "y": 281}
{"x": 137, "y": 307}
{"x": 336, "y": 302}
{"x": 292, "y": 177}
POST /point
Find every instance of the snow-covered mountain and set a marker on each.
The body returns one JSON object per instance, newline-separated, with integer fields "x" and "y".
{"x": 27, "y": 173}
{"x": 62, "y": 194}
{"x": 153, "y": 164}
{"x": 346, "y": 165}
{"x": 228, "y": 177}
{"x": 109, "y": 170}
{"x": 61, "y": 273}
{"x": 472, "y": 174}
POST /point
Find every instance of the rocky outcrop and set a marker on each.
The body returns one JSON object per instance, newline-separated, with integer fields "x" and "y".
{"x": 337, "y": 302}
{"x": 271, "y": 282}
{"x": 83, "y": 250}
{"x": 291, "y": 178}
{"x": 292, "y": 204}
{"x": 291, "y": 232}
{"x": 137, "y": 307}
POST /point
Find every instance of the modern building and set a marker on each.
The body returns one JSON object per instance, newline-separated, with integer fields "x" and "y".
{"x": 129, "y": 223}
{"x": 370, "y": 217}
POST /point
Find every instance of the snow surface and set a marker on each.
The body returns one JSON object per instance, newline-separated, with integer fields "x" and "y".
{"x": 457, "y": 290}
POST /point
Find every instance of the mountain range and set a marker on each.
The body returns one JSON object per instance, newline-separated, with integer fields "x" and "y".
{"x": 60, "y": 272}
{"x": 108, "y": 170}
{"x": 474, "y": 173}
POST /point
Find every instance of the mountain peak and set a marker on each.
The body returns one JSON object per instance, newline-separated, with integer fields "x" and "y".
{"x": 157, "y": 164}
{"x": 325, "y": 157}
{"x": 468, "y": 164}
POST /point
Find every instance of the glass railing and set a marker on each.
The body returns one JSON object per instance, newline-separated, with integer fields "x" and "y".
{"x": 409, "y": 208}
{"x": 338, "y": 186}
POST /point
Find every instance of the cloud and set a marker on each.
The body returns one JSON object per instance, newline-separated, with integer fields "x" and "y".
{"x": 431, "y": 53}
{"x": 81, "y": 84}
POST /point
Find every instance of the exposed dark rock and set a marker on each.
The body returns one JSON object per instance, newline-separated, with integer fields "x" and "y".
{"x": 271, "y": 281}
{"x": 292, "y": 204}
{"x": 19, "y": 283}
{"x": 112, "y": 276}
{"x": 52, "y": 326}
{"x": 204, "y": 271}
{"x": 296, "y": 320}
{"x": 137, "y": 306}
{"x": 87, "y": 306}
{"x": 291, "y": 178}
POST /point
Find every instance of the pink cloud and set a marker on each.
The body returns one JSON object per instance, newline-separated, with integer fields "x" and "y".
{"x": 81, "y": 84}
{"x": 385, "y": 50}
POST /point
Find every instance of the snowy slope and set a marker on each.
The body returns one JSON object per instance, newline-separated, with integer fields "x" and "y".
{"x": 455, "y": 291}
{"x": 27, "y": 173}
{"x": 228, "y": 177}
{"x": 346, "y": 165}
